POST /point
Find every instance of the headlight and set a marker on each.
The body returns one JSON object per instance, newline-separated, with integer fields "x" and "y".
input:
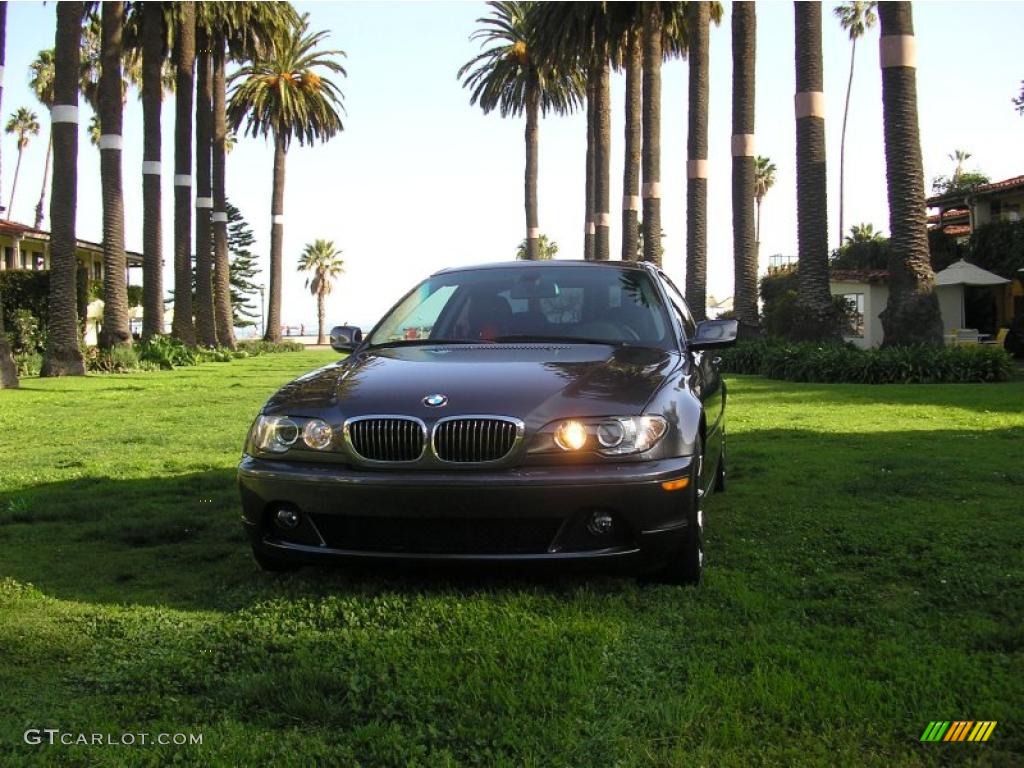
{"x": 611, "y": 436}
{"x": 277, "y": 434}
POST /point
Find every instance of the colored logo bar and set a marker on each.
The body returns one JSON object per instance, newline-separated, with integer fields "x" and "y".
{"x": 958, "y": 730}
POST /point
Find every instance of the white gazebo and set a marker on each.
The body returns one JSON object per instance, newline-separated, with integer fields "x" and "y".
{"x": 950, "y": 282}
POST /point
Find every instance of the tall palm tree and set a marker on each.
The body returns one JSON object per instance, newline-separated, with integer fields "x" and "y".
{"x": 744, "y": 168}
{"x": 959, "y": 156}
{"x": 8, "y": 370}
{"x": 41, "y": 82}
{"x": 764, "y": 179}
{"x": 509, "y": 76}
{"x": 633, "y": 64}
{"x": 206, "y": 329}
{"x": 154, "y": 54}
{"x": 116, "y": 329}
{"x": 856, "y": 17}
{"x": 182, "y": 326}
{"x": 63, "y": 356}
{"x": 23, "y": 124}
{"x": 282, "y": 96}
{"x": 323, "y": 261}
{"x": 912, "y": 312}
{"x": 651, "y": 152}
{"x": 698, "y": 22}
{"x": 817, "y": 319}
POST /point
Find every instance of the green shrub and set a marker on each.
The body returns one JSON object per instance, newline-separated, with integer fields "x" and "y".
{"x": 28, "y": 363}
{"x": 26, "y": 333}
{"x": 258, "y": 347}
{"x": 845, "y": 363}
{"x": 167, "y": 353}
{"x": 119, "y": 359}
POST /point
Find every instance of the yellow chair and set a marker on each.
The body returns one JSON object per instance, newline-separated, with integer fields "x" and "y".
{"x": 1000, "y": 338}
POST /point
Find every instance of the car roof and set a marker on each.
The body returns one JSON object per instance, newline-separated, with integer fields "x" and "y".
{"x": 548, "y": 264}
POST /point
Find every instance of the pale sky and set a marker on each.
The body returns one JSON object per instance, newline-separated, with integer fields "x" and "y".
{"x": 419, "y": 180}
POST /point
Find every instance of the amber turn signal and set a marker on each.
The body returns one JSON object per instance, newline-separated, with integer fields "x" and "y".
{"x": 675, "y": 485}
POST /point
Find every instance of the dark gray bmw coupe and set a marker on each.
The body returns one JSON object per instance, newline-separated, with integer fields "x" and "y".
{"x": 516, "y": 412}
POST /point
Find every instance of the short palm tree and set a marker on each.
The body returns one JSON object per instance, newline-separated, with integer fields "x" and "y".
{"x": 63, "y": 355}
{"x": 23, "y": 124}
{"x": 510, "y": 77}
{"x": 959, "y": 156}
{"x": 548, "y": 249}
{"x": 41, "y": 82}
{"x": 911, "y": 315}
{"x": 283, "y": 96}
{"x": 324, "y": 264}
{"x": 764, "y": 179}
{"x": 856, "y": 17}
{"x": 864, "y": 233}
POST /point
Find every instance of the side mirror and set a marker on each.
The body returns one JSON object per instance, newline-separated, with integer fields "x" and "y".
{"x": 345, "y": 338}
{"x": 712, "y": 334}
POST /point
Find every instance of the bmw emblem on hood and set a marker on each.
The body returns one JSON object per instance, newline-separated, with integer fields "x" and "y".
{"x": 435, "y": 401}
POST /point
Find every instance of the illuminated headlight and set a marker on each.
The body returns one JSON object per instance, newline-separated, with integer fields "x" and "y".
{"x": 612, "y": 436}
{"x": 278, "y": 434}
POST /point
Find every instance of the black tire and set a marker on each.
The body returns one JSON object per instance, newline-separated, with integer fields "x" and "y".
{"x": 720, "y": 473}
{"x": 687, "y": 565}
{"x": 272, "y": 564}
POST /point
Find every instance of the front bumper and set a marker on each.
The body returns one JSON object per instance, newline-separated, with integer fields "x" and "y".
{"x": 519, "y": 515}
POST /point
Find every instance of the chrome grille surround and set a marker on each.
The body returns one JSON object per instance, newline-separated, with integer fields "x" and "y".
{"x": 386, "y": 438}
{"x": 475, "y": 438}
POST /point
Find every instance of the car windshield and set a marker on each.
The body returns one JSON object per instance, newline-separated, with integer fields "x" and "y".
{"x": 598, "y": 305}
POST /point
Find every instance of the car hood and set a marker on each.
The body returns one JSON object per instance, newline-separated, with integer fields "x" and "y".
{"x": 535, "y": 383}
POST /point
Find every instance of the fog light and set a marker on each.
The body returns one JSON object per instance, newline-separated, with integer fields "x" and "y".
{"x": 600, "y": 523}
{"x": 286, "y": 518}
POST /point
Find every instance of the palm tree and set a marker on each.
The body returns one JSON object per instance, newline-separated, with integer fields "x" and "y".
{"x": 959, "y": 156}
{"x": 182, "y": 326}
{"x": 911, "y": 315}
{"x": 698, "y": 22}
{"x": 322, "y": 260}
{"x": 206, "y": 329}
{"x": 41, "y": 82}
{"x": 651, "y": 152}
{"x": 116, "y": 329}
{"x": 864, "y": 233}
{"x": 744, "y": 168}
{"x": 633, "y": 64}
{"x": 23, "y": 124}
{"x": 282, "y": 96}
{"x": 764, "y": 179}
{"x": 856, "y": 18}
{"x": 8, "y": 370}
{"x": 154, "y": 54}
{"x": 508, "y": 76}
{"x": 3, "y": 47}
{"x": 814, "y": 301}
{"x": 547, "y": 249}
{"x": 63, "y": 356}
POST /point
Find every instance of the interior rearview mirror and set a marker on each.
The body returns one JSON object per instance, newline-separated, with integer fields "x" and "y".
{"x": 345, "y": 338}
{"x": 712, "y": 334}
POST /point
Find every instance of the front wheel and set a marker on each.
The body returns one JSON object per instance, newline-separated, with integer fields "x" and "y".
{"x": 687, "y": 564}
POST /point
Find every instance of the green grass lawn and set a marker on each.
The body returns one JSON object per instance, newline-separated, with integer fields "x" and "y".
{"x": 865, "y": 577}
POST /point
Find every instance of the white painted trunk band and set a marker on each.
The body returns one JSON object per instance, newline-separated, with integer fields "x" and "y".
{"x": 277, "y": 218}
{"x": 743, "y": 145}
{"x": 204, "y": 202}
{"x": 631, "y": 203}
{"x": 151, "y": 167}
{"x": 604, "y": 219}
{"x": 64, "y": 113}
{"x": 532, "y": 233}
{"x": 591, "y": 229}
{"x": 182, "y": 180}
{"x": 810, "y": 104}
{"x": 1, "y": 76}
{"x": 697, "y": 169}
{"x": 218, "y": 216}
{"x": 651, "y": 189}
{"x": 111, "y": 141}
{"x": 898, "y": 51}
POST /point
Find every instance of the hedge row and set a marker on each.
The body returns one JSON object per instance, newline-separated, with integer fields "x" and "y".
{"x": 845, "y": 363}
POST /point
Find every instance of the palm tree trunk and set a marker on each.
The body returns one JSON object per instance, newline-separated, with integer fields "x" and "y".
{"x": 206, "y": 329}
{"x": 184, "y": 60}
{"x": 152, "y": 225}
{"x": 652, "y": 132}
{"x": 63, "y": 357}
{"x": 46, "y": 174}
{"x": 221, "y": 263}
{"x": 602, "y": 160}
{"x": 744, "y": 55}
{"x": 321, "y": 314}
{"x": 912, "y": 313}
{"x": 276, "y": 243}
{"x": 532, "y": 114}
{"x": 3, "y": 54}
{"x": 14, "y": 185}
{"x": 842, "y": 143}
{"x": 631, "y": 163}
{"x": 816, "y": 318}
{"x": 757, "y": 233}
{"x": 591, "y": 171}
{"x": 8, "y": 370}
{"x": 699, "y": 19}
{"x": 116, "y": 325}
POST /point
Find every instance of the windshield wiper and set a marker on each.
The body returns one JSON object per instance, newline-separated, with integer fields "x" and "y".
{"x": 544, "y": 338}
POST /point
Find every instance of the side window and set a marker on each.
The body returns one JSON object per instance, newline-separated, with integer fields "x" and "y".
{"x": 679, "y": 307}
